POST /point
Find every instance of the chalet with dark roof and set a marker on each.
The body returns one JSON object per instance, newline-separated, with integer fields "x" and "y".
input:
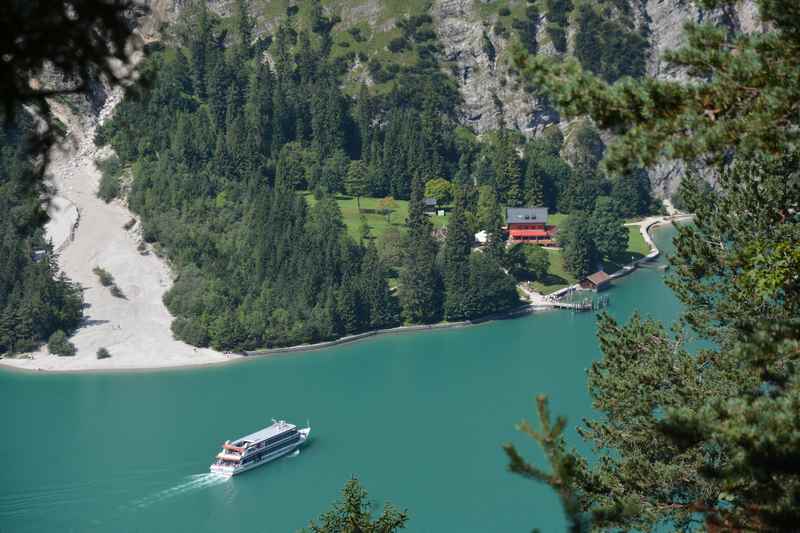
{"x": 529, "y": 225}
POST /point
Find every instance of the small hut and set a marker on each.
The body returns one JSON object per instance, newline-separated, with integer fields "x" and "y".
{"x": 429, "y": 205}
{"x": 596, "y": 282}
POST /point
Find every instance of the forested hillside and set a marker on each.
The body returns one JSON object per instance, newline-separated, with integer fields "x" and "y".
{"x": 229, "y": 128}
{"x": 35, "y": 301}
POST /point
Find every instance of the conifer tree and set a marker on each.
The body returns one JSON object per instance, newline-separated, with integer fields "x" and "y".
{"x": 354, "y": 513}
{"x": 457, "y": 248}
{"x": 490, "y": 220}
{"x": 244, "y": 28}
{"x": 609, "y": 233}
{"x": 507, "y": 171}
{"x": 199, "y": 41}
{"x": 383, "y": 307}
{"x": 534, "y": 184}
{"x": 576, "y": 238}
{"x": 704, "y": 437}
{"x": 356, "y": 181}
{"x": 420, "y": 292}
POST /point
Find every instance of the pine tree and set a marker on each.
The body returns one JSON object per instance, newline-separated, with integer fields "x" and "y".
{"x": 631, "y": 192}
{"x": 457, "y": 248}
{"x": 507, "y": 171}
{"x": 383, "y": 307}
{"x": 200, "y": 40}
{"x": 609, "y": 232}
{"x": 576, "y": 238}
{"x": 354, "y": 513}
{"x": 244, "y": 28}
{"x": 534, "y": 184}
{"x": 363, "y": 118}
{"x": 490, "y": 220}
{"x": 218, "y": 86}
{"x": 420, "y": 291}
{"x": 355, "y": 182}
{"x": 704, "y": 436}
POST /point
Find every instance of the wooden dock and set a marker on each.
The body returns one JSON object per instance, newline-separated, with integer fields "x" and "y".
{"x": 577, "y": 306}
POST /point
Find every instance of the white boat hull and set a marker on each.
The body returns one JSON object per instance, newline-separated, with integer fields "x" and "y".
{"x": 230, "y": 471}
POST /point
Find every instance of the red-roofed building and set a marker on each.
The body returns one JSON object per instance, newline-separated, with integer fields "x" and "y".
{"x": 529, "y": 225}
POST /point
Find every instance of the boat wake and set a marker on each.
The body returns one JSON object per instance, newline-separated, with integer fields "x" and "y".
{"x": 192, "y": 483}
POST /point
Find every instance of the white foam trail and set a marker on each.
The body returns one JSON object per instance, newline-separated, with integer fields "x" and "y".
{"x": 193, "y": 483}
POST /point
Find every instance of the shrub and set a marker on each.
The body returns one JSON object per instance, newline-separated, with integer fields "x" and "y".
{"x": 111, "y": 169}
{"x": 398, "y": 44}
{"x": 102, "y": 353}
{"x": 129, "y": 224}
{"x": 117, "y": 292}
{"x": 356, "y": 34}
{"x": 504, "y": 12}
{"x": 105, "y": 277}
{"x": 59, "y": 345}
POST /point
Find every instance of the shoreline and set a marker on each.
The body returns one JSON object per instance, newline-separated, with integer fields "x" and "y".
{"x": 645, "y": 225}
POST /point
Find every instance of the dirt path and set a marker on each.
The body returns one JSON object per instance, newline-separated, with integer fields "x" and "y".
{"x": 136, "y": 330}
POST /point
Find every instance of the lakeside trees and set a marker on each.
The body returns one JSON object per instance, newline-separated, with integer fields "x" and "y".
{"x": 35, "y": 300}
{"x": 700, "y": 438}
{"x": 219, "y": 153}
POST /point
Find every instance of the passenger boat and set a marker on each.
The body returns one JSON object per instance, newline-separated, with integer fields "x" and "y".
{"x": 259, "y": 448}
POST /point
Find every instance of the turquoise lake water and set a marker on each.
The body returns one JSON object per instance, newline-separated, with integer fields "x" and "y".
{"x": 419, "y": 417}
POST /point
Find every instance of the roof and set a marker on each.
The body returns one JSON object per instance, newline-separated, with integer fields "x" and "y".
{"x": 429, "y": 201}
{"x": 522, "y": 215}
{"x": 530, "y": 233}
{"x": 275, "y": 429}
{"x": 598, "y": 278}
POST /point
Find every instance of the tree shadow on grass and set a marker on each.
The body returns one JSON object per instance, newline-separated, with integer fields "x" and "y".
{"x": 550, "y": 282}
{"x": 612, "y": 264}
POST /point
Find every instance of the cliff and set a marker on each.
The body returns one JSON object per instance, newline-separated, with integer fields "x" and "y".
{"x": 475, "y": 40}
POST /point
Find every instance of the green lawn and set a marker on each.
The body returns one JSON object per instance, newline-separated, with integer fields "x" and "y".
{"x": 557, "y": 278}
{"x": 636, "y": 242}
{"x": 377, "y": 223}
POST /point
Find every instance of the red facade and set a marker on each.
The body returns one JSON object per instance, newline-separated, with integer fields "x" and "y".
{"x": 537, "y": 233}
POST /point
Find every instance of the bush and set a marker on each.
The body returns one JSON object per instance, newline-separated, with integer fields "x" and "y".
{"x": 105, "y": 277}
{"x": 102, "y": 353}
{"x": 500, "y": 29}
{"x": 117, "y": 292}
{"x": 356, "y": 34}
{"x": 504, "y": 12}
{"x": 398, "y": 44}
{"x": 129, "y": 224}
{"x": 111, "y": 170}
{"x": 59, "y": 345}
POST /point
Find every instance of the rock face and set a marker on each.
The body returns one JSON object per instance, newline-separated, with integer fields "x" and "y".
{"x": 490, "y": 92}
{"x": 665, "y": 22}
{"x": 477, "y": 57}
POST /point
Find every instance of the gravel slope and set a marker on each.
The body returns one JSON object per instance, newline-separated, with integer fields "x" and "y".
{"x": 136, "y": 330}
